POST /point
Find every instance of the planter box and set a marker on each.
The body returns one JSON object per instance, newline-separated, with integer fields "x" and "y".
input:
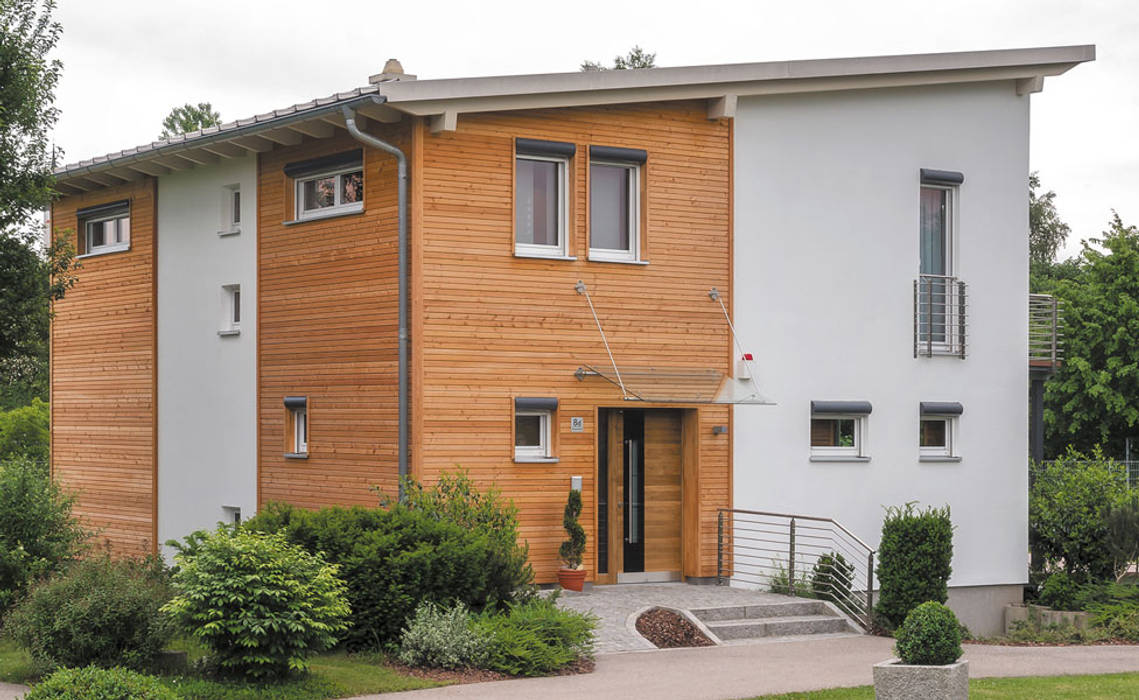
{"x": 1040, "y": 616}
{"x": 894, "y": 680}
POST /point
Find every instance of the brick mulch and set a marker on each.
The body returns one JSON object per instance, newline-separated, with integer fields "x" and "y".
{"x": 668, "y": 630}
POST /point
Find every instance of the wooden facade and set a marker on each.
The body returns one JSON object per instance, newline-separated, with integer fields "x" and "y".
{"x": 104, "y": 376}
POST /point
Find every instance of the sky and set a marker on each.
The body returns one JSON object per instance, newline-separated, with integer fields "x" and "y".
{"x": 128, "y": 62}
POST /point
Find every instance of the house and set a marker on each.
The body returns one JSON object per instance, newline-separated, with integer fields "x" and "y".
{"x": 534, "y": 278}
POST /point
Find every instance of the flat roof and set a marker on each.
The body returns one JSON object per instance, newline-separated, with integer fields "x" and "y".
{"x": 445, "y": 100}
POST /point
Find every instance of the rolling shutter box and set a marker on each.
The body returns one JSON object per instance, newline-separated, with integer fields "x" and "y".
{"x": 941, "y": 408}
{"x": 537, "y": 147}
{"x": 620, "y": 155}
{"x": 335, "y": 161}
{"x": 294, "y": 402}
{"x": 841, "y": 407}
{"x": 941, "y": 177}
{"x": 535, "y": 404}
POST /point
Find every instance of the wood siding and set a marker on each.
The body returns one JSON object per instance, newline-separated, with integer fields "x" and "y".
{"x": 103, "y": 371}
{"x": 328, "y": 330}
{"x": 494, "y": 327}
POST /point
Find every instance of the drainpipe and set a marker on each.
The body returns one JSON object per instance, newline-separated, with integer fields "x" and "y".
{"x": 401, "y": 159}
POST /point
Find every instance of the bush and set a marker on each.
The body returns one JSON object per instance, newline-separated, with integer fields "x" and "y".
{"x": 1068, "y": 508}
{"x": 260, "y": 604}
{"x": 448, "y": 545}
{"x": 24, "y": 432}
{"x": 929, "y": 636}
{"x": 831, "y": 579}
{"x": 913, "y": 561}
{"x": 100, "y": 612}
{"x": 536, "y": 637}
{"x": 572, "y": 549}
{"x": 441, "y": 637}
{"x": 38, "y": 534}
{"x": 94, "y": 683}
{"x": 1118, "y": 620}
{"x": 780, "y": 582}
{"x": 1059, "y": 592}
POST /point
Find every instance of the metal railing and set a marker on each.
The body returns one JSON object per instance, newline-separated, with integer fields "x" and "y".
{"x": 799, "y": 555}
{"x": 1045, "y": 334}
{"x": 940, "y": 306}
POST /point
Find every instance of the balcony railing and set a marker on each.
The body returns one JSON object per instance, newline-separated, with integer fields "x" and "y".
{"x": 940, "y": 311}
{"x": 1045, "y": 335}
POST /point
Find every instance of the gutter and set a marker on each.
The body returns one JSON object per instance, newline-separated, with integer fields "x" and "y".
{"x": 401, "y": 159}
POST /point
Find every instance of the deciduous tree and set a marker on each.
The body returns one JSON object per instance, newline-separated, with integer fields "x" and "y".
{"x": 187, "y": 118}
{"x": 636, "y": 58}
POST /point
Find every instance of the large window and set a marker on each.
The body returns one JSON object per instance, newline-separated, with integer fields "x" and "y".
{"x": 615, "y": 203}
{"x": 106, "y": 229}
{"x": 540, "y": 194}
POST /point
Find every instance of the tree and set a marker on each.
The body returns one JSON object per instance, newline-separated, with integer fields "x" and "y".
{"x": 187, "y": 118}
{"x": 1046, "y": 231}
{"x": 636, "y": 58}
{"x": 1091, "y": 400}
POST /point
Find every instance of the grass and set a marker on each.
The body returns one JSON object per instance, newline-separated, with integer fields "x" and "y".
{"x": 1105, "y": 687}
{"x": 333, "y": 675}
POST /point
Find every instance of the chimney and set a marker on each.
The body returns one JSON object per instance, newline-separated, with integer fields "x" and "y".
{"x": 393, "y": 71}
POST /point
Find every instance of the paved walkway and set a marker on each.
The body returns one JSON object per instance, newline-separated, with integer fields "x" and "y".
{"x": 615, "y": 604}
{"x": 12, "y": 692}
{"x": 721, "y": 673}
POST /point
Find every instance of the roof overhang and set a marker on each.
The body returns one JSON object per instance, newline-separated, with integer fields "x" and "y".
{"x": 442, "y": 101}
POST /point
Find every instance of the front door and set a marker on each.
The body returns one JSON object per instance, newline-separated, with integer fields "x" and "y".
{"x": 639, "y": 499}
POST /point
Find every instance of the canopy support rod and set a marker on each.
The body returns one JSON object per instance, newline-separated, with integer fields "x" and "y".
{"x": 714, "y": 295}
{"x": 580, "y": 288}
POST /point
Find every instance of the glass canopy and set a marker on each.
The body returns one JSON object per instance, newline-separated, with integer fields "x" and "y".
{"x": 676, "y": 385}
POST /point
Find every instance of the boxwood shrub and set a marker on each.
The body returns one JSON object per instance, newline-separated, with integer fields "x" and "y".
{"x": 929, "y": 636}
{"x": 913, "y": 561}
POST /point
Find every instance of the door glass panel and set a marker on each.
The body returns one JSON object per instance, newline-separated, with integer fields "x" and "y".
{"x": 634, "y": 517}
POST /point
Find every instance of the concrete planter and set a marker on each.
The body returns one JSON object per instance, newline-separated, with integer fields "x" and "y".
{"x": 894, "y": 680}
{"x": 1039, "y": 616}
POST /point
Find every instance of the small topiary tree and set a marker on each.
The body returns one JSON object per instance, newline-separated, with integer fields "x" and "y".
{"x": 93, "y": 683}
{"x": 572, "y": 549}
{"x": 913, "y": 561}
{"x": 832, "y": 577}
{"x": 100, "y": 612}
{"x": 260, "y": 604}
{"x": 929, "y": 636}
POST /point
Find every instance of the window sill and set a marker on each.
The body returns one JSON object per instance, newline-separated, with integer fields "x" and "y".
{"x": 296, "y": 455}
{"x": 104, "y": 251}
{"x": 594, "y": 258}
{"x": 230, "y": 232}
{"x": 939, "y": 458}
{"x": 229, "y": 333}
{"x": 321, "y": 217}
{"x": 540, "y": 256}
{"x": 838, "y": 458}
{"x": 535, "y": 460}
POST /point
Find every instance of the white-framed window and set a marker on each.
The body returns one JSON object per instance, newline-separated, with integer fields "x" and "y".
{"x": 834, "y": 435}
{"x": 230, "y": 309}
{"x": 937, "y": 436}
{"x": 330, "y": 193}
{"x": 300, "y": 430}
{"x": 541, "y": 193}
{"x": 532, "y": 434}
{"x": 937, "y": 229}
{"x": 614, "y": 211}
{"x": 230, "y": 210}
{"x": 296, "y": 427}
{"x": 107, "y": 231}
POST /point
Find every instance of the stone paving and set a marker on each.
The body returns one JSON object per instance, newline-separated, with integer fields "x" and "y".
{"x": 615, "y": 604}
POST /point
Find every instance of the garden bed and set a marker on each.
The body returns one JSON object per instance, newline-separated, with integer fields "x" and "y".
{"x": 669, "y": 630}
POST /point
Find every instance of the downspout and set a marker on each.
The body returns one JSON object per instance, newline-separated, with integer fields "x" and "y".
{"x": 401, "y": 160}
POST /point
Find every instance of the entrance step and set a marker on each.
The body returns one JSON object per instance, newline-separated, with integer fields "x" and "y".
{"x": 791, "y": 619}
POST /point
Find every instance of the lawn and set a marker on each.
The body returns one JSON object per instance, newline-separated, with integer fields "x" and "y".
{"x": 1107, "y": 687}
{"x": 335, "y": 675}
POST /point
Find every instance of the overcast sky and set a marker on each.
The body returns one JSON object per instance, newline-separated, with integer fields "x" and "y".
{"x": 127, "y": 62}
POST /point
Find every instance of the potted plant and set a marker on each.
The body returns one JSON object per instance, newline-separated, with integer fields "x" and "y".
{"x": 928, "y": 646}
{"x": 571, "y": 576}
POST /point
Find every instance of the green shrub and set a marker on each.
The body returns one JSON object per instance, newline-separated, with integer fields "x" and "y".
{"x": 99, "y": 612}
{"x": 1118, "y": 620}
{"x": 93, "y": 683}
{"x": 1060, "y": 591}
{"x": 1068, "y": 508}
{"x": 572, "y": 549}
{"x": 929, "y": 636}
{"x": 38, "y": 534}
{"x": 1093, "y": 595}
{"x": 780, "y": 582}
{"x": 831, "y": 579}
{"x": 536, "y": 637}
{"x": 24, "y": 432}
{"x": 260, "y": 604}
{"x": 441, "y": 637}
{"x": 913, "y": 561}
{"x": 433, "y": 550}
{"x": 1123, "y": 532}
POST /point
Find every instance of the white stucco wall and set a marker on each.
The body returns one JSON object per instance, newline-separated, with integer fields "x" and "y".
{"x": 826, "y": 253}
{"x": 207, "y": 432}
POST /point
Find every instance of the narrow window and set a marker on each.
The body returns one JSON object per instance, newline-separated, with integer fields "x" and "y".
{"x": 296, "y": 427}
{"x": 300, "y": 431}
{"x": 329, "y": 193}
{"x": 937, "y": 437}
{"x": 106, "y": 229}
{"x": 614, "y": 210}
{"x": 540, "y": 206}
{"x": 230, "y": 310}
{"x": 936, "y": 301}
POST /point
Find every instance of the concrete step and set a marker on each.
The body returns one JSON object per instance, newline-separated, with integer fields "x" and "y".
{"x": 778, "y": 626}
{"x": 791, "y": 608}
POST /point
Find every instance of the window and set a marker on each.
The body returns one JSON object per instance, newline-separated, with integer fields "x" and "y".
{"x": 533, "y": 418}
{"x": 615, "y": 203}
{"x": 230, "y": 210}
{"x": 106, "y": 229}
{"x": 296, "y": 427}
{"x": 937, "y": 436}
{"x": 838, "y": 430}
{"x": 938, "y": 296}
{"x": 330, "y": 193}
{"x": 230, "y": 310}
{"x": 540, "y": 194}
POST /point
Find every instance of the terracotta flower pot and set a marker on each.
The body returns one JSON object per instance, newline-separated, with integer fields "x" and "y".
{"x": 571, "y": 579}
